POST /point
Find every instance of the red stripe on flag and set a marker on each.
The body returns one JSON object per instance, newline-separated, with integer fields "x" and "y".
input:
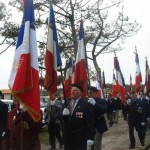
{"x": 51, "y": 74}
{"x": 23, "y": 79}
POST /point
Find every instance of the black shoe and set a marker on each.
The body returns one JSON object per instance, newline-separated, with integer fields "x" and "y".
{"x": 61, "y": 145}
{"x": 142, "y": 143}
{"x": 131, "y": 147}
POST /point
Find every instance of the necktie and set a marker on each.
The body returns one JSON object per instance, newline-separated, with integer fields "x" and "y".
{"x": 72, "y": 106}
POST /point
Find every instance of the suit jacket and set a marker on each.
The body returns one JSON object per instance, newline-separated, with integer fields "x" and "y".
{"x": 3, "y": 117}
{"x": 21, "y": 131}
{"x": 53, "y": 112}
{"x": 110, "y": 105}
{"x": 79, "y": 127}
{"x": 100, "y": 108}
{"x": 136, "y": 112}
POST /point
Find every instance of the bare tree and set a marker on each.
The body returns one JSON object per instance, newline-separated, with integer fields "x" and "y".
{"x": 102, "y": 33}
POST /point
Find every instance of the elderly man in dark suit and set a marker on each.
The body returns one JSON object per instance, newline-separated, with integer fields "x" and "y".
{"x": 136, "y": 118}
{"x": 22, "y": 131}
{"x": 3, "y": 119}
{"x": 100, "y": 108}
{"x": 78, "y": 122}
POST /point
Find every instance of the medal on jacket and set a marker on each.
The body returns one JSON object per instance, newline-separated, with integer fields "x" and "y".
{"x": 79, "y": 114}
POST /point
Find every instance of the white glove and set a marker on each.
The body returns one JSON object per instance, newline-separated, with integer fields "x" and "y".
{"x": 66, "y": 112}
{"x": 114, "y": 111}
{"x": 148, "y": 119}
{"x": 128, "y": 101}
{"x": 23, "y": 108}
{"x": 90, "y": 142}
{"x": 142, "y": 123}
{"x": 147, "y": 98}
{"x": 53, "y": 102}
{"x": 92, "y": 101}
{"x": 3, "y": 134}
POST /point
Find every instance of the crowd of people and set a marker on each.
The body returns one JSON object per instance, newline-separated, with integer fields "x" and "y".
{"x": 77, "y": 122}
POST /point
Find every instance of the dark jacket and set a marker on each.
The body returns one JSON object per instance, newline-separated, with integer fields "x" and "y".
{"x": 100, "y": 108}
{"x": 110, "y": 105}
{"x": 78, "y": 127}
{"x": 3, "y": 118}
{"x": 21, "y": 131}
{"x": 136, "y": 112}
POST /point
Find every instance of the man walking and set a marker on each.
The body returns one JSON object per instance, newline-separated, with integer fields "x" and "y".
{"x": 136, "y": 118}
{"x": 100, "y": 108}
{"x": 54, "y": 116}
{"x": 78, "y": 122}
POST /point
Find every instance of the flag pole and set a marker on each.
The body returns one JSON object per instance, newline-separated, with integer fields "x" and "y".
{"x": 88, "y": 75}
{"x": 63, "y": 87}
{"x": 104, "y": 86}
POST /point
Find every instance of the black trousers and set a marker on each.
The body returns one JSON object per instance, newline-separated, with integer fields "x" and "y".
{"x": 138, "y": 128}
{"x": 54, "y": 132}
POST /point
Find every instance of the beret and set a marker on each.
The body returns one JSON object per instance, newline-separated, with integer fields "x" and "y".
{"x": 92, "y": 88}
{"x": 78, "y": 86}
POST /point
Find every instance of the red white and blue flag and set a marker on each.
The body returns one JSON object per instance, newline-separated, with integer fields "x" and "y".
{"x": 147, "y": 79}
{"x": 80, "y": 75}
{"x": 52, "y": 58}
{"x": 24, "y": 76}
{"x": 114, "y": 86}
{"x": 103, "y": 84}
{"x": 131, "y": 85}
{"x": 69, "y": 75}
{"x": 120, "y": 80}
{"x": 138, "y": 77}
{"x": 98, "y": 85}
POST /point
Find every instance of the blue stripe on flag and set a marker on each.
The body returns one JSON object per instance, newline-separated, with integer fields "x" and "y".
{"x": 81, "y": 32}
{"x": 53, "y": 27}
{"x": 28, "y": 16}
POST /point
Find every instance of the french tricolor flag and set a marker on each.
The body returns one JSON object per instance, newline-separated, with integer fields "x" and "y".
{"x": 120, "y": 80}
{"x": 52, "y": 58}
{"x": 147, "y": 79}
{"x": 138, "y": 77}
{"x": 68, "y": 78}
{"x": 98, "y": 85}
{"x": 114, "y": 86}
{"x": 80, "y": 75}
{"x": 24, "y": 76}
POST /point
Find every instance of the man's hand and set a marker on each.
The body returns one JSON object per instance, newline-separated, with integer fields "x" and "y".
{"x": 66, "y": 112}
{"x": 23, "y": 108}
{"x": 92, "y": 101}
{"x": 3, "y": 134}
{"x": 90, "y": 142}
{"x": 128, "y": 101}
{"x": 142, "y": 123}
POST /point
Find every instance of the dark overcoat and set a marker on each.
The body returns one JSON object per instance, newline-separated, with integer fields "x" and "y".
{"x": 79, "y": 127}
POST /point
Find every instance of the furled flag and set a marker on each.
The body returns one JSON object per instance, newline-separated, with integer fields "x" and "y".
{"x": 114, "y": 86}
{"x": 120, "y": 80}
{"x": 24, "y": 77}
{"x": 147, "y": 79}
{"x": 103, "y": 84}
{"x": 52, "y": 58}
{"x": 68, "y": 78}
{"x": 98, "y": 85}
{"x": 131, "y": 85}
{"x": 80, "y": 75}
{"x": 138, "y": 77}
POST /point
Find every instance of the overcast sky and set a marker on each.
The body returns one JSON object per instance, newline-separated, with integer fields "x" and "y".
{"x": 136, "y": 10}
